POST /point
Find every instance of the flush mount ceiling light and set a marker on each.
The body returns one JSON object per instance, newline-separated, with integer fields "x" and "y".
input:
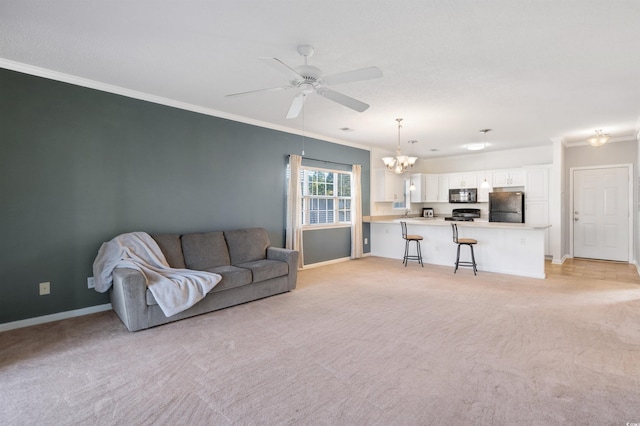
{"x": 400, "y": 163}
{"x": 598, "y": 139}
{"x": 479, "y": 146}
{"x": 475, "y": 146}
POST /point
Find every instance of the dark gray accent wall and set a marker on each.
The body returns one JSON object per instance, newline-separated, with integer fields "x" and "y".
{"x": 80, "y": 166}
{"x": 329, "y": 244}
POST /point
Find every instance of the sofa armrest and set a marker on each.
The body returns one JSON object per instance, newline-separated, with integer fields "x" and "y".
{"x": 128, "y": 297}
{"x": 289, "y": 256}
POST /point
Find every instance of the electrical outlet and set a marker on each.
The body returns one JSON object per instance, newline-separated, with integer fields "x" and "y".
{"x": 91, "y": 282}
{"x": 366, "y": 241}
{"x": 45, "y": 288}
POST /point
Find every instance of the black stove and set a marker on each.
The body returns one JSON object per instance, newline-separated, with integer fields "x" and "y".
{"x": 464, "y": 215}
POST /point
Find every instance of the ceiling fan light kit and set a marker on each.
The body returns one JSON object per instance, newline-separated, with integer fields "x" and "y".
{"x": 400, "y": 163}
{"x": 598, "y": 139}
{"x": 307, "y": 79}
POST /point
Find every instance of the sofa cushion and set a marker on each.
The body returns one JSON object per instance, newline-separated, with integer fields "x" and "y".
{"x": 266, "y": 269}
{"x": 232, "y": 276}
{"x": 247, "y": 245}
{"x": 171, "y": 248}
{"x": 205, "y": 250}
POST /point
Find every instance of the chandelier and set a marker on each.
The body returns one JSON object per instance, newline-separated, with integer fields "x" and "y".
{"x": 598, "y": 139}
{"x": 400, "y": 163}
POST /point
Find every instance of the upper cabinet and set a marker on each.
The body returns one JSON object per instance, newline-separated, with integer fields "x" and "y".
{"x": 430, "y": 188}
{"x": 537, "y": 183}
{"x": 507, "y": 177}
{"x": 388, "y": 186}
{"x": 463, "y": 180}
{"x": 434, "y": 188}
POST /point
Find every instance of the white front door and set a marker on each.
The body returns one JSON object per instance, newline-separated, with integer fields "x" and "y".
{"x": 601, "y": 213}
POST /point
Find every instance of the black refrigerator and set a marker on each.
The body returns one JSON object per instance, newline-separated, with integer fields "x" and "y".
{"x": 506, "y": 207}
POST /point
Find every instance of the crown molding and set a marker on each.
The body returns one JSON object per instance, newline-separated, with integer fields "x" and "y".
{"x": 134, "y": 94}
{"x": 612, "y": 140}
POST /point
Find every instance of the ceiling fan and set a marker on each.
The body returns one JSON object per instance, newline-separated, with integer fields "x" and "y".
{"x": 307, "y": 79}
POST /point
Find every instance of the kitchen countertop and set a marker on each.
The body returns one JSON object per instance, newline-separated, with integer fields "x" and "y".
{"x": 439, "y": 221}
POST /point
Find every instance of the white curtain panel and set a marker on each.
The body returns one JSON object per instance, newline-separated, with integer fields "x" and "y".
{"x": 294, "y": 208}
{"x": 356, "y": 212}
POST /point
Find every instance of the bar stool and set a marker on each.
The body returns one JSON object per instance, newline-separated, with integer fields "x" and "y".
{"x": 467, "y": 242}
{"x": 408, "y": 239}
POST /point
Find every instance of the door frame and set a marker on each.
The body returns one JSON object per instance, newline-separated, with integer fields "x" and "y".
{"x": 632, "y": 232}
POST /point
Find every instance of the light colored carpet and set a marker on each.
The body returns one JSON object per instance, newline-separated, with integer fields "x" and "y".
{"x": 361, "y": 342}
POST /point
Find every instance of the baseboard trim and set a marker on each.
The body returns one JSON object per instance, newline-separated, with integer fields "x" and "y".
{"x": 54, "y": 317}
{"x": 561, "y": 260}
{"x": 328, "y": 262}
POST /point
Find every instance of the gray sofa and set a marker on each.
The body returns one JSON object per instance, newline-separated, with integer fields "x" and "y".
{"x": 250, "y": 268}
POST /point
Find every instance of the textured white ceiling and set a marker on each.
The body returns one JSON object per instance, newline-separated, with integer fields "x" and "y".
{"x": 532, "y": 71}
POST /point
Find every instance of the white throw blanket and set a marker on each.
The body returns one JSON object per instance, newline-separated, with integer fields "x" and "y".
{"x": 174, "y": 289}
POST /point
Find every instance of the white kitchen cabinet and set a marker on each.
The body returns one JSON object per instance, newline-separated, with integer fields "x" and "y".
{"x": 443, "y": 188}
{"x": 537, "y": 183}
{"x": 432, "y": 185}
{"x": 507, "y": 177}
{"x": 430, "y": 188}
{"x": 483, "y": 193}
{"x": 418, "y": 195}
{"x": 463, "y": 180}
{"x": 389, "y": 187}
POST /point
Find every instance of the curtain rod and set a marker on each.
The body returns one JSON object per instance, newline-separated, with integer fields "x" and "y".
{"x": 325, "y": 161}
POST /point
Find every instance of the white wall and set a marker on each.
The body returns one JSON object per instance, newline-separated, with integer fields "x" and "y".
{"x": 636, "y": 179}
{"x": 613, "y": 153}
{"x": 486, "y": 160}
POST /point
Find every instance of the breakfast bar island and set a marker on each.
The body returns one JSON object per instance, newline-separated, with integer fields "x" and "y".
{"x": 506, "y": 248}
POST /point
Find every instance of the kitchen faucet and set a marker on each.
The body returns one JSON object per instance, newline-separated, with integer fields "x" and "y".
{"x": 406, "y": 212}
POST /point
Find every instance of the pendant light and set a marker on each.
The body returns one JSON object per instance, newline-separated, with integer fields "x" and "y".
{"x": 485, "y": 184}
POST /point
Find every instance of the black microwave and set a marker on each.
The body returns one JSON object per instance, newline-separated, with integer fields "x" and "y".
{"x": 463, "y": 195}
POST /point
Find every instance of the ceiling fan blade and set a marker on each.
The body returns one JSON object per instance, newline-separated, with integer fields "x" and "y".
{"x": 355, "y": 75}
{"x": 250, "y": 92}
{"x": 342, "y": 99}
{"x": 282, "y": 67}
{"x": 296, "y": 106}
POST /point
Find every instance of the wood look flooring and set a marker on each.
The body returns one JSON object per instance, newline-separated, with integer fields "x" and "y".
{"x": 594, "y": 269}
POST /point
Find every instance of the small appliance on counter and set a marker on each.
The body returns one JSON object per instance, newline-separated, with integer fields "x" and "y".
{"x": 464, "y": 215}
{"x": 463, "y": 195}
{"x": 427, "y": 212}
{"x": 506, "y": 207}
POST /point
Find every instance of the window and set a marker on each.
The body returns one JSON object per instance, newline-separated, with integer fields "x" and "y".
{"x": 326, "y": 197}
